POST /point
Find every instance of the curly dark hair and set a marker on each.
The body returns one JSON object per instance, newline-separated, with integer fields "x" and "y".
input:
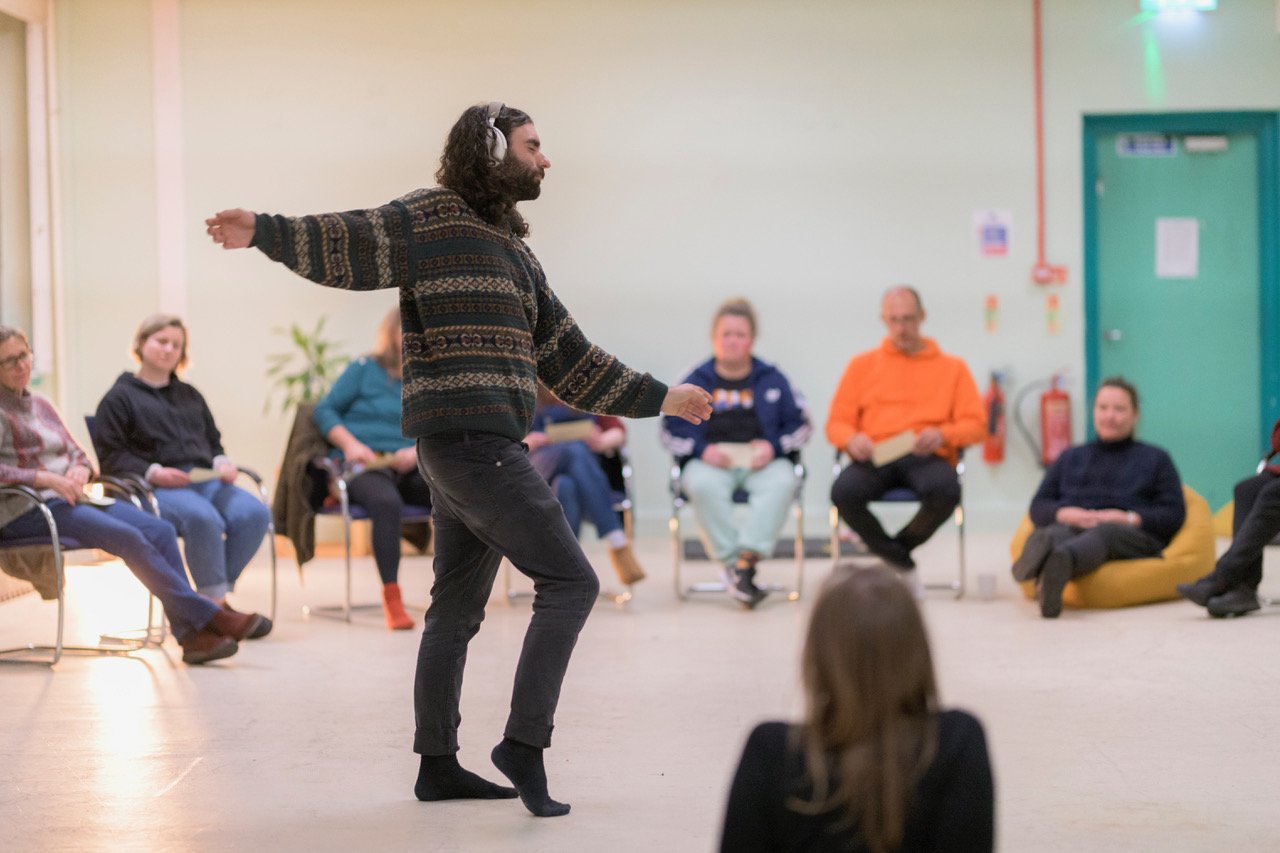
{"x": 467, "y": 169}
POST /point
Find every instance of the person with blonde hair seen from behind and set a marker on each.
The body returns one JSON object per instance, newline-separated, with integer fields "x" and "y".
{"x": 36, "y": 450}
{"x": 360, "y": 416}
{"x": 1114, "y": 498}
{"x": 875, "y": 764}
{"x": 759, "y": 420}
{"x": 156, "y": 426}
{"x": 905, "y": 389}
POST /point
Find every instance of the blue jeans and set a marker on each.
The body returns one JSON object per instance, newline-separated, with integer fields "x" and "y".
{"x": 579, "y": 483}
{"x": 490, "y": 503}
{"x": 147, "y": 545}
{"x": 221, "y": 528}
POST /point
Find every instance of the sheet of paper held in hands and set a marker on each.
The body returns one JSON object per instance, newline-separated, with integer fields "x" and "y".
{"x": 569, "y": 430}
{"x": 740, "y": 453}
{"x": 894, "y": 447}
{"x": 379, "y": 460}
{"x": 202, "y": 475}
{"x": 93, "y": 496}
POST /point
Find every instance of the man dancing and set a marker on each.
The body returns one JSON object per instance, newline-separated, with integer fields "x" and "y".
{"x": 481, "y": 327}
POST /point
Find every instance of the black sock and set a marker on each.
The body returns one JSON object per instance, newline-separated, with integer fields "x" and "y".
{"x": 522, "y": 764}
{"x": 441, "y": 777}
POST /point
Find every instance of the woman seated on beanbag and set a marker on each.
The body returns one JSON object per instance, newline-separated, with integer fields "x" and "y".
{"x": 1115, "y": 498}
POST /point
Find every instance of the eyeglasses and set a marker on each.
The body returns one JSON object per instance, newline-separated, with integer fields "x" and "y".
{"x": 14, "y": 361}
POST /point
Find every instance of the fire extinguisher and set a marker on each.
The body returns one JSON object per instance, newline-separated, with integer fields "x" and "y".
{"x": 1055, "y": 421}
{"x": 993, "y": 446}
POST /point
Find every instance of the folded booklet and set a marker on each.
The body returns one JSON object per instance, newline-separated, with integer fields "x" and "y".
{"x": 92, "y": 496}
{"x": 740, "y": 453}
{"x": 893, "y": 448}
{"x": 569, "y": 430}
{"x": 202, "y": 475}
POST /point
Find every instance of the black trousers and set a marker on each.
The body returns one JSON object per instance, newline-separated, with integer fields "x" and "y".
{"x": 931, "y": 477}
{"x": 1088, "y": 547}
{"x": 1255, "y": 523}
{"x": 490, "y": 503}
{"x": 383, "y": 493}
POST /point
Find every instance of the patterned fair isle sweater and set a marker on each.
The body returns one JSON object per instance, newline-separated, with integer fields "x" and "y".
{"x": 480, "y": 323}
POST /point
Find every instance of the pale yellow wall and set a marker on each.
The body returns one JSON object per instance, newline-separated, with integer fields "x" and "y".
{"x": 805, "y": 154}
{"x": 103, "y": 52}
{"x": 15, "y": 242}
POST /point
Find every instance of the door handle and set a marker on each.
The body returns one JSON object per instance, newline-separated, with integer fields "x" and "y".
{"x": 1113, "y": 335}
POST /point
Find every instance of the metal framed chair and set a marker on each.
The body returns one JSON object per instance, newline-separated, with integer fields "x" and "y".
{"x": 693, "y": 549}
{"x": 339, "y": 477}
{"x": 904, "y": 495}
{"x": 145, "y": 493}
{"x": 617, "y": 469}
{"x": 108, "y": 644}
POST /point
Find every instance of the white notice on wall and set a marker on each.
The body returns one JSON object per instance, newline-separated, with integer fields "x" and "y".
{"x": 1177, "y": 247}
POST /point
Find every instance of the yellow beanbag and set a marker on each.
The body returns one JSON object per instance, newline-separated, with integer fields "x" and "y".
{"x": 1124, "y": 583}
{"x": 1223, "y": 519}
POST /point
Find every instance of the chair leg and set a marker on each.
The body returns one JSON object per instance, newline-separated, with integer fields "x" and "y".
{"x": 798, "y": 590}
{"x": 344, "y": 610}
{"x": 674, "y": 526}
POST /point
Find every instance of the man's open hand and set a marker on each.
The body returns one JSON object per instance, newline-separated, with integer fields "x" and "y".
{"x": 231, "y": 229}
{"x": 689, "y": 402}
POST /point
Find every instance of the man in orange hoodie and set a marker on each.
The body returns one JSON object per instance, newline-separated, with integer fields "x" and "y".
{"x": 907, "y": 384}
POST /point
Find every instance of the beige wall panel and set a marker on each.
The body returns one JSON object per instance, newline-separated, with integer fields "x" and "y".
{"x": 805, "y": 155}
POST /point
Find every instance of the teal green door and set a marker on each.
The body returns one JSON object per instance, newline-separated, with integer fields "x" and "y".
{"x": 1176, "y": 299}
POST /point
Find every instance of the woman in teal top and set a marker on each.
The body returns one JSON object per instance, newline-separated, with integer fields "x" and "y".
{"x": 360, "y": 416}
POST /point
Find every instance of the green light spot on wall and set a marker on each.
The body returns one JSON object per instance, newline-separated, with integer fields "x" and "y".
{"x": 1178, "y": 5}
{"x": 1153, "y": 69}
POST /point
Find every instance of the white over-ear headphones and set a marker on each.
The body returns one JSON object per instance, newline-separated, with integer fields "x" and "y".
{"x": 497, "y": 139}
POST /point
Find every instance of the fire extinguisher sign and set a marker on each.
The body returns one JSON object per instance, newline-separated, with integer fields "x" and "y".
{"x": 992, "y": 233}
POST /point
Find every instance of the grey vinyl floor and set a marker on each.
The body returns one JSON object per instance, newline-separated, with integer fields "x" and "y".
{"x": 1153, "y": 728}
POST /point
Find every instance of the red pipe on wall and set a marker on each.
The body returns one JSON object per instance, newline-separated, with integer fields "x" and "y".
{"x": 1043, "y": 272}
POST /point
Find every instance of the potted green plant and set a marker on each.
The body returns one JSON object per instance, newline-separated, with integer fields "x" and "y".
{"x": 304, "y": 373}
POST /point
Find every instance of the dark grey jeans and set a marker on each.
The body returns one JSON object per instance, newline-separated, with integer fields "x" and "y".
{"x": 1255, "y": 523}
{"x": 490, "y": 503}
{"x": 1088, "y": 548}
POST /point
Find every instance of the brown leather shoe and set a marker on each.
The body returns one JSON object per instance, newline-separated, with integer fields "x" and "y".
{"x": 206, "y": 645}
{"x": 264, "y": 626}
{"x": 626, "y": 565}
{"x": 237, "y": 626}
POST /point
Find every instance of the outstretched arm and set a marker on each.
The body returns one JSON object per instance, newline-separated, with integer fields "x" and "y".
{"x": 356, "y": 250}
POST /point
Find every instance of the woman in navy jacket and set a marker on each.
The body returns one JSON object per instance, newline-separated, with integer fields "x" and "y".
{"x": 758, "y": 421}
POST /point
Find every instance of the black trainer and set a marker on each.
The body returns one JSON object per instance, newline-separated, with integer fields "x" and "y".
{"x": 1201, "y": 591}
{"x": 744, "y": 589}
{"x": 1234, "y": 602}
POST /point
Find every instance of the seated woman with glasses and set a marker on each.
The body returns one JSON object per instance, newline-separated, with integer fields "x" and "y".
{"x": 573, "y": 470}
{"x": 360, "y": 416}
{"x": 154, "y": 425}
{"x": 36, "y": 450}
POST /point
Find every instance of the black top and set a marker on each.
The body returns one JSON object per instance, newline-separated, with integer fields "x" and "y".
{"x": 138, "y": 425}
{"x": 954, "y": 808}
{"x": 1124, "y": 474}
{"x": 733, "y": 406}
